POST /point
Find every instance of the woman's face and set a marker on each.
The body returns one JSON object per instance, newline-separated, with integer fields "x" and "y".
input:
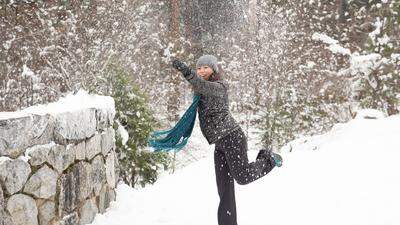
{"x": 205, "y": 72}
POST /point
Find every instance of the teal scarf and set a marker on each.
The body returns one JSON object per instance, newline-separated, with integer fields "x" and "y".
{"x": 177, "y": 137}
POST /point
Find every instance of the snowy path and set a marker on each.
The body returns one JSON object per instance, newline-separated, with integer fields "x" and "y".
{"x": 353, "y": 178}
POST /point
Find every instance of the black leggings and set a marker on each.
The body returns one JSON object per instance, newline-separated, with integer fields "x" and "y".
{"x": 231, "y": 163}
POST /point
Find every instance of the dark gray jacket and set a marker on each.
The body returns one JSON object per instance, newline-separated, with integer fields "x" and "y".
{"x": 215, "y": 119}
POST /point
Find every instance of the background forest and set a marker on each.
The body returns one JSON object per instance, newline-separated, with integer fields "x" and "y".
{"x": 295, "y": 67}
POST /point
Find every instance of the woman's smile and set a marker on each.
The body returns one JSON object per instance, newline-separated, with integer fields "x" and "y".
{"x": 205, "y": 72}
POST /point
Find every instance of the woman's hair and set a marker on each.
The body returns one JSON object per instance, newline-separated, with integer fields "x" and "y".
{"x": 217, "y": 76}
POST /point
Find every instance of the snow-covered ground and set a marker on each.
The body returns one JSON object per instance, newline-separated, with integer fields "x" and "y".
{"x": 348, "y": 176}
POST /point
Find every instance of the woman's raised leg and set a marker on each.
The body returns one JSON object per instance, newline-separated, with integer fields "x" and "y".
{"x": 234, "y": 147}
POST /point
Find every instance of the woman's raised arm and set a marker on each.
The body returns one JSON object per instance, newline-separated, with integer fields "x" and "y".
{"x": 201, "y": 86}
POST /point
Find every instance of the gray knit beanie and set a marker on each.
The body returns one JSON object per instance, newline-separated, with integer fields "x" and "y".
{"x": 208, "y": 60}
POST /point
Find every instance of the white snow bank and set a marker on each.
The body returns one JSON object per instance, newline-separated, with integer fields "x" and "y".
{"x": 72, "y": 102}
{"x": 348, "y": 176}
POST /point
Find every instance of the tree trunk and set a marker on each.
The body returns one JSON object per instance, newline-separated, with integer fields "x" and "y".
{"x": 342, "y": 10}
{"x": 193, "y": 27}
{"x": 173, "y": 96}
{"x": 222, "y": 17}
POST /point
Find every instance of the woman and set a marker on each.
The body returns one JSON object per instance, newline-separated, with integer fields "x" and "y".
{"x": 220, "y": 128}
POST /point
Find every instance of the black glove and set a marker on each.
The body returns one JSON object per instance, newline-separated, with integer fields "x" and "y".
{"x": 185, "y": 70}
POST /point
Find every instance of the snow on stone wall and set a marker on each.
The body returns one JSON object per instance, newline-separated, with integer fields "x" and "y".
{"x": 57, "y": 162}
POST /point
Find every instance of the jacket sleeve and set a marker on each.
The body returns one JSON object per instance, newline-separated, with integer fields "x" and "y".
{"x": 205, "y": 87}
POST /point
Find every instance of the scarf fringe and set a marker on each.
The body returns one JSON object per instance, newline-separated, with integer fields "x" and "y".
{"x": 177, "y": 137}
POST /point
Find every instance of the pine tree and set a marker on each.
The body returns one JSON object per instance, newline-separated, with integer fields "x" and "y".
{"x": 137, "y": 165}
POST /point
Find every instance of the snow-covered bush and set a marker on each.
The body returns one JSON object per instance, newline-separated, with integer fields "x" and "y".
{"x": 344, "y": 56}
{"x": 378, "y": 83}
{"x": 291, "y": 116}
{"x": 302, "y": 95}
{"x": 50, "y": 48}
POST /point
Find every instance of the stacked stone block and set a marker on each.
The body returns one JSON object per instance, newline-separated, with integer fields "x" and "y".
{"x": 57, "y": 169}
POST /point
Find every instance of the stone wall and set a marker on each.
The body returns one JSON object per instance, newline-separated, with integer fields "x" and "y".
{"x": 57, "y": 169}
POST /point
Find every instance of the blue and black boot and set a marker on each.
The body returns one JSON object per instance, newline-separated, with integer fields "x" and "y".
{"x": 268, "y": 153}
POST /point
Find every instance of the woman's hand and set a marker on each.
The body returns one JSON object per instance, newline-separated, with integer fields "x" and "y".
{"x": 181, "y": 67}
